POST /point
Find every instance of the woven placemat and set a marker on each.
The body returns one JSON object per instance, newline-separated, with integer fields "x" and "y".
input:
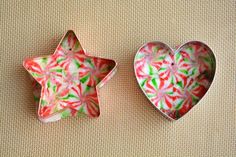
{"x": 129, "y": 125}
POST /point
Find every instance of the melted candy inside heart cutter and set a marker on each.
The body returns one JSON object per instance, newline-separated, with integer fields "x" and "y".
{"x": 174, "y": 81}
{"x": 66, "y": 83}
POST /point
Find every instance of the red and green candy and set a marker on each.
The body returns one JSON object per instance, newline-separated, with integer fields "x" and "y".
{"x": 66, "y": 82}
{"x": 174, "y": 81}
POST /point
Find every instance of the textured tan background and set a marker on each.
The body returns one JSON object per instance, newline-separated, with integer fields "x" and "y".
{"x": 128, "y": 125}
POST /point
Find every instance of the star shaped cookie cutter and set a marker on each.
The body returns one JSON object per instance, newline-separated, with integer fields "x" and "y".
{"x": 66, "y": 83}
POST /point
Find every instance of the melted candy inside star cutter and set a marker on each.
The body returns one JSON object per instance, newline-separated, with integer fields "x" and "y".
{"x": 66, "y": 83}
{"x": 174, "y": 81}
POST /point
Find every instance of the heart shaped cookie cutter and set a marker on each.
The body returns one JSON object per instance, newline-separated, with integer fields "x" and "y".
{"x": 174, "y": 80}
